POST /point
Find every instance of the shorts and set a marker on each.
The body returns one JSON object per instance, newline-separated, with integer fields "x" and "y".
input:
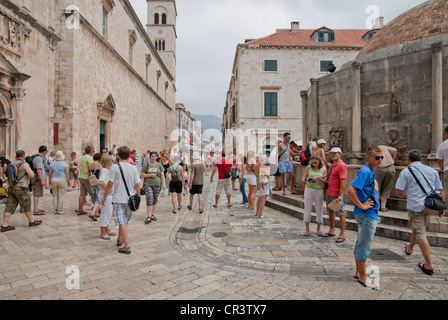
{"x": 330, "y": 199}
{"x": 18, "y": 196}
{"x": 251, "y": 179}
{"x": 38, "y": 189}
{"x": 385, "y": 178}
{"x": 234, "y": 174}
{"x": 72, "y": 173}
{"x": 85, "y": 188}
{"x": 223, "y": 184}
{"x": 366, "y": 231}
{"x": 274, "y": 170}
{"x": 176, "y": 187}
{"x": 152, "y": 194}
{"x": 419, "y": 222}
{"x": 122, "y": 213}
{"x": 196, "y": 189}
{"x": 285, "y": 167}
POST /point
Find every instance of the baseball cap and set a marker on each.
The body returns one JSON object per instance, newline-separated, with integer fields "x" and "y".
{"x": 321, "y": 141}
{"x": 336, "y": 150}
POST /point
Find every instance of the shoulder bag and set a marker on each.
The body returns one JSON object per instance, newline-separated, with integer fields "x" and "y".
{"x": 434, "y": 200}
{"x": 134, "y": 200}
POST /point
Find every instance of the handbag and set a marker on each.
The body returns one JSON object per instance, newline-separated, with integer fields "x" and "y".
{"x": 134, "y": 200}
{"x": 434, "y": 200}
{"x": 93, "y": 180}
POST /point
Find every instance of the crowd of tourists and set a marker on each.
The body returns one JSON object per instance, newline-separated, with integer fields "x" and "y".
{"x": 111, "y": 179}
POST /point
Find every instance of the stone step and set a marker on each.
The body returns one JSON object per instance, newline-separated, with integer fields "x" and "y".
{"x": 394, "y": 224}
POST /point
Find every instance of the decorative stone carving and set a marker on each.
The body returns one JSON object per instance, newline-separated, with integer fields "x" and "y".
{"x": 396, "y": 135}
{"x": 11, "y": 34}
{"x": 337, "y": 138}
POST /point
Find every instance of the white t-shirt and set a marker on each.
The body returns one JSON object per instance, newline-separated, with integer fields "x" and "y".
{"x": 132, "y": 177}
{"x": 442, "y": 154}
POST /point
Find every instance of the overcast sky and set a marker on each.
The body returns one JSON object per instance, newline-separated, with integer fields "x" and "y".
{"x": 209, "y": 31}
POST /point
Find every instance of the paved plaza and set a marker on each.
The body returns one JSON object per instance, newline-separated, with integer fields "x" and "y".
{"x": 222, "y": 254}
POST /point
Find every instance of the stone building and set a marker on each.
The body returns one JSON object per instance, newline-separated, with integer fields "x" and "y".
{"x": 393, "y": 93}
{"x": 84, "y": 72}
{"x": 264, "y": 91}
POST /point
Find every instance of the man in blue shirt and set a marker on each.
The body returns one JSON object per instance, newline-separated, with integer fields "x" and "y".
{"x": 419, "y": 215}
{"x": 363, "y": 191}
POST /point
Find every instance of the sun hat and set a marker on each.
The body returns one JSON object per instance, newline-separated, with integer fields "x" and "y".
{"x": 59, "y": 156}
{"x": 336, "y": 150}
{"x": 321, "y": 141}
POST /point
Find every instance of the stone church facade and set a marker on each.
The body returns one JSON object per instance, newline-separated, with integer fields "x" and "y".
{"x": 78, "y": 73}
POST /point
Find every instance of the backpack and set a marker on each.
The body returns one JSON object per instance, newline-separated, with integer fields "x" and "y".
{"x": 305, "y": 156}
{"x": 29, "y": 160}
{"x": 12, "y": 173}
{"x": 175, "y": 177}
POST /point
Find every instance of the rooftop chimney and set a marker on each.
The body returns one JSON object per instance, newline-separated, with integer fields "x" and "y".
{"x": 295, "y": 26}
{"x": 379, "y": 23}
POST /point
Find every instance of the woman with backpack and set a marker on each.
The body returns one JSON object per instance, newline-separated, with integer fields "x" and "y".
{"x": 153, "y": 182}
{"x": 177, "y": 172}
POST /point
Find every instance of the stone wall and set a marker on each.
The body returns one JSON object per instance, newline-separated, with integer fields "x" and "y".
{"x": 396, "y": 102}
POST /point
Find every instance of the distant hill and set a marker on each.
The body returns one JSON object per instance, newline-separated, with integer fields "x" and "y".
{"x": 208, "y": 121}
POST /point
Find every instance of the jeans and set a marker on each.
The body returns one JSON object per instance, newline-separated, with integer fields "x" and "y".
{"x": 366, "y": 231}
{"x": 243, "y": 190}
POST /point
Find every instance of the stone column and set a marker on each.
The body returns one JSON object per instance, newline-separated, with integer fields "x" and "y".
{"x": 314, "y": 127}
{"x": 304, "y": 95}
{"x": 356, "y": 152}
{"x": 437, "y": 97}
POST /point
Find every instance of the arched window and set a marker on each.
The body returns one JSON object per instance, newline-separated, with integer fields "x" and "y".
{"x": 163, "y": 18}
{"x": 156, "y": 18}
{"x": 163, "y": 45}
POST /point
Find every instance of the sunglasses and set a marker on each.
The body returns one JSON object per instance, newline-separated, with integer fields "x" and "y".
{"x": 379, "y": 157}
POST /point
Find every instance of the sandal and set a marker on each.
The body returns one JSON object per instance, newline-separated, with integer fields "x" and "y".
{"x": 119, "y": 243}
{"x": 93, "y": 218}
{"x": 306, "y": 234}
{"x": 190, "y": 207}
{"x": 105, "y": 237}
{"x": 328, "y": 235}
{"x": 201, "y": 211}
{"x": 428, "y": 272}
{"x": 367, "y": 285}
{"x": 39, "y": 213}
{"x": 215, "y": 206}
{"x": 153, "y": 218}
{"x": 111, "y": 233}
{"x": 35, "y": 223}
{"x": 148, "y": 220}
{"x": 8, "y": 228}
{"x": 174, "y": 211}
{"x": 406, "y": 250}
{"x": 125, "y": 250}
{"x": 340, "y": 240}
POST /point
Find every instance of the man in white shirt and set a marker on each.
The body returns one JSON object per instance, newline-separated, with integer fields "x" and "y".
{"x": 121, "y": 210}
{"x": 442, "y": 156}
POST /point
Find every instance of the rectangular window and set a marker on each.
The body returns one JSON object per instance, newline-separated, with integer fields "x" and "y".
{"x": 270, "y": 104}
{"x": 56, "y": 134}
{"x": 326, "y": 36}
{"x": 324, "y": 65}
{"x": 270, "y": 65}
{"x": 105, "y": 23}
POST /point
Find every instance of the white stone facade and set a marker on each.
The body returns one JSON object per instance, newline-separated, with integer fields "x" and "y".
{"x": 296, "y": 66}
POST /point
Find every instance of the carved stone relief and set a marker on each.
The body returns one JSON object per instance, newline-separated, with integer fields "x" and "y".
{"x": 396, "y": 135}
{"x": 337, "y": 138}
{"x": 11, "y": 34}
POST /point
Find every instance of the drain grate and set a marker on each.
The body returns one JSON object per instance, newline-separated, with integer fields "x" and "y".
{"x": 384, "y": 254}
{"x": 220, "y": 234}
{"x": 190, "y": 231}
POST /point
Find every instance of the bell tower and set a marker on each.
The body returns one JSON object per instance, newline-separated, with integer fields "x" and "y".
{"x": 161, "y": 28}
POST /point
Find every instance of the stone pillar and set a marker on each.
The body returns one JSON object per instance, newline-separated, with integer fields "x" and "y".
{"x": 356, "y": 152}
{"x": 314, "y": 127}
{"x": 437, "y": 98}
{"x": 304, "y": 95}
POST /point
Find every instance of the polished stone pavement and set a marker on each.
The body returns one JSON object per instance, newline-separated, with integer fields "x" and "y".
{"x": 222, "y": 254}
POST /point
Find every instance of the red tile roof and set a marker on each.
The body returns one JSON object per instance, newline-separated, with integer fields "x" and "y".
{"x": 284, "y": 37}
